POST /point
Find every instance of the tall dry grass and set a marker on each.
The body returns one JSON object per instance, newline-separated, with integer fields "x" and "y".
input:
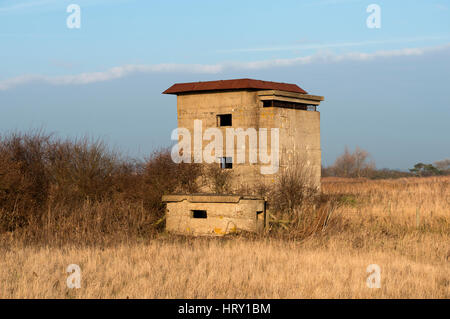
{"x": 77, "y": 191}
{"x": 296, "y": 208}
{"x": 57, "y": 191}
{"x": 74, "y": 202}
{"x": 239, "y": 268}
{"x": 410, "y": 204}
{"x": 413, "y": 255}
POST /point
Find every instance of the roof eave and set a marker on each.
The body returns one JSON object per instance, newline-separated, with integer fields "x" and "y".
{"x": 290, "y": 96}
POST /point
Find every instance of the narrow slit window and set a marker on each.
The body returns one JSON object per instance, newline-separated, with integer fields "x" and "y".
{"x": 267, "y": 103}
{"x": 224, "y": 120}
{"x": 226, "y": 162}
{"x": 199, "y": 214}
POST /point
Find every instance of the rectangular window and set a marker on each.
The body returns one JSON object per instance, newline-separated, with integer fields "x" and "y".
{"x": 224, "y": 120}
{"x": 199, "y": 214}
{"x": 267, "y": 103}
{"x": 226, "y": 162}
{"x": 259, "y": 214}
{"x": 289, "y": 105}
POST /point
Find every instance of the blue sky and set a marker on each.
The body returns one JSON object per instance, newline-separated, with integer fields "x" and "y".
{"x": 385, "y": 89}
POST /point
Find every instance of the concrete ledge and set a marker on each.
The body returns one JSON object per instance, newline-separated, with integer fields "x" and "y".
{"x": 290, "y": 96}
{"x": 207, "y": 198}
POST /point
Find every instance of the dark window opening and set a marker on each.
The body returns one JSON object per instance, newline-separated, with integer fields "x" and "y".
{"x": 289, "y": 105}
{"x": 267, "y": 103}
{"x": 224, "y": 120}
{"x": 226, "y": 162}
{"x": 199, "y": 214}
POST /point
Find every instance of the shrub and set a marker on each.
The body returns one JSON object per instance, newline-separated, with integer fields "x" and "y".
{"x": 296, "y": 208}
{"x": 47, "y": 184}
{"x": 443, "y": 166}
{"x": 162, "y": 176}
{"x": 218, "y": 179}
{"x": 421, "y": 169}
{"x": 292, "y": 188}
{"x": 352, "y": 164}
{"x": 80, "y": 170}
{"x": 24, "y": 183}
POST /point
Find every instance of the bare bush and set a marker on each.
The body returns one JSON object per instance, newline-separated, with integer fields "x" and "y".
{"x": 163, "y": 176}
{"x": 356, "y": 164}
{"x": 81, "y": 169}
{"x": 292, "y": 188}
{"x": 296, "y": 208}
{"x": 45, "y": 182}
{"x": 443, "y": 166}
{"x": 311, "y": 217}
{"x": 24, "y": 184}
{"x": 188, "y": 177}
{"x": 218, "y": 179}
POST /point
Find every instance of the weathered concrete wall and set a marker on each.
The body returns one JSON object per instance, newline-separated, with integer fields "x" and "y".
{"x": 299, "y": 130}
{"x": 223, "y": 216}
{"x": 299, "y": 140}
{"x": 244, "y": 108}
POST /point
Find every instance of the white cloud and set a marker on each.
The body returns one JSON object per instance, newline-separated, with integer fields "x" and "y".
{"x": 111, "y": 74}
{"x": 330, "y": 2}
{"x": 26, "y": 4}
{"x": 335, "y": 45}
{"x": 46, "y": 5}
{"x": 123, "y": 71}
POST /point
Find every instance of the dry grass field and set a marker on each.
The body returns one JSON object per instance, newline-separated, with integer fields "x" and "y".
{"x": 403, "y": 225}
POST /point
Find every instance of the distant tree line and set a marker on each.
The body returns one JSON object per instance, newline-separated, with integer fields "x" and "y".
{"x": 359, "y": 163}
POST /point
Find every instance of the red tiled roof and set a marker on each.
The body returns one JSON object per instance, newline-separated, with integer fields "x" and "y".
{"x": 237, "y": 84}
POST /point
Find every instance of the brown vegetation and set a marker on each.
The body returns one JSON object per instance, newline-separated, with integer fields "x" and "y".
{"x": 296, "y": 209}
{"x": 352, "y": 164}
{"x": 64, "y": 202}
{"x": 56, "y": 191}
{"x": 358, "y": 164}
